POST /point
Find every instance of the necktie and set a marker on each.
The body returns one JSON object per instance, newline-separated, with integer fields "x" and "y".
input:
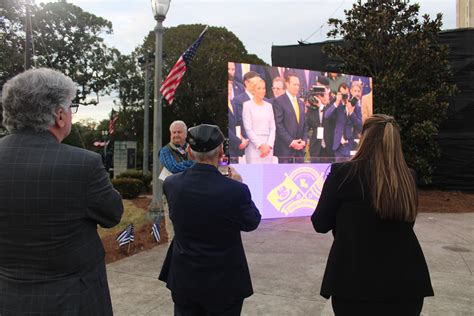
{"x": 230, "y": 106}
{"x": 297, "y": 109}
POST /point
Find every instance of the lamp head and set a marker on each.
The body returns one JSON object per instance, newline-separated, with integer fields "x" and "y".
{"x": 160, "y": 8}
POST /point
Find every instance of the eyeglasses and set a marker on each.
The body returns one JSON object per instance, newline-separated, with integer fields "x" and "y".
{"x": 74, "y": 107}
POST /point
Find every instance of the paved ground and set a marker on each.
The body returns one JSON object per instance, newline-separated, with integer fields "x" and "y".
{"x": 287, "y": 260}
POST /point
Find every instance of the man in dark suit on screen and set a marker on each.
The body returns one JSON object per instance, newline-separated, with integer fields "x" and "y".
{"x": 290, "y": 121}
{"x": 52, "y": 196}
{"x": 205, "y": 267}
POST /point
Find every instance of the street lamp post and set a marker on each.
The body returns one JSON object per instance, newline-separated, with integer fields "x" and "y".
{"x": 160, "y": 8}
{"x": 146, "y": 62}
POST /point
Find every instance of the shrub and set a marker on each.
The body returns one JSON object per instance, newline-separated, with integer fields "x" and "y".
{"x": 135, "y": 174}
{"x": 129, "y": 188}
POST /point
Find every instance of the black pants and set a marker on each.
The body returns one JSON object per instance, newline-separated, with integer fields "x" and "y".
{"x": 187, "y": 307}
{"x": 408, "y": 307}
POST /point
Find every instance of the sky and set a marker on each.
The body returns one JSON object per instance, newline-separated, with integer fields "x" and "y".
{"x": 259, "y": 24}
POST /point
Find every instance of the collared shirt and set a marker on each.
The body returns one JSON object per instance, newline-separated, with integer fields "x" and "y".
{"x": 169, "y": 161}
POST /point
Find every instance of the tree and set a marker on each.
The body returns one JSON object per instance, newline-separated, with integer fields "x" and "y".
{"x": 67, "y": 39}
{"x": 388, "y": 41}
{"x": 83, "y": 134}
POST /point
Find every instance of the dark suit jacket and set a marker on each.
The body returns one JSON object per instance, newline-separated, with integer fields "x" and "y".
{"x": 206, "y": 261}
{"x": 237, "y": 87}
{"x": 52, "y": 196}
{"x": 370, "y": 258}
{"x": 287, "y": 127}
{"x": 313, "y": 121}
{"x": 234, "y": 140}
{"x": 347, "y": 126}
{"x": 238, "y": 103}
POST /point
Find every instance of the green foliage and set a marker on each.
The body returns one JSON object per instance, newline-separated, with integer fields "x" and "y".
{"x": 129, "y": 188}
{"x": 83, "y": 134}
{"x": 67, "y": 39}
{"x": 135, "y": 174}
{"x": 388, "y": 41}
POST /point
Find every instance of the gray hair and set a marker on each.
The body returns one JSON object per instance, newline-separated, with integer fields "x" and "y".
{"x": 206, "y": 156}
{"x": 31, "y": 98}
{"x": 179, "y": 123}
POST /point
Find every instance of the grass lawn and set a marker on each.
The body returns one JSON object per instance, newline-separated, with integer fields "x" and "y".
{"x": 131, "y": 215}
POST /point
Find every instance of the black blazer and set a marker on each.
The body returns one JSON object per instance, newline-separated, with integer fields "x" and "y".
{"x": 287, "y": 126}
{"x": 206, "y": 261}
{"x": 370, "y": 258}
{"x": 52, "y": 196}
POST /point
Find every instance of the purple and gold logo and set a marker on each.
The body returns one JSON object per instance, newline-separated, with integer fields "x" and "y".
{"x": 300, "y": 189}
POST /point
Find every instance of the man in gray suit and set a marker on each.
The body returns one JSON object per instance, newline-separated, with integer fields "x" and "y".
{"x": 52, "y": 196}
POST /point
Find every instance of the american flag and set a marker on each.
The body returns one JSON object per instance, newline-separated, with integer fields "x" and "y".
{"x": 112, "y": 121}
{"x": 171, "y": 82}
{"x": 155, "y": 229}
{"x": 127, "y": 236}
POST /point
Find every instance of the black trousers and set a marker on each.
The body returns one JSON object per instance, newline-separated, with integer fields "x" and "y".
{"x": 187, "y": 307}
{"x": 408, "y": 307}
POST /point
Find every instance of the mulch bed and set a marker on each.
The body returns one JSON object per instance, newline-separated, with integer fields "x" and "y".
{"x": 436, "y": 201}
{"x": 144, "y": 240}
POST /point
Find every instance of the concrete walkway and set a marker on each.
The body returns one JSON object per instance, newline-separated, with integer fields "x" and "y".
{"x": 287, "y": 260}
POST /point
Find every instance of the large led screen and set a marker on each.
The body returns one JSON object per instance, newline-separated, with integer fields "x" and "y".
{"x": 285, "y": 128}
{"x": 286, "y": 115}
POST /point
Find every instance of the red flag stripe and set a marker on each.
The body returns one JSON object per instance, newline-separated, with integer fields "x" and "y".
{"x": 172, "y": 81}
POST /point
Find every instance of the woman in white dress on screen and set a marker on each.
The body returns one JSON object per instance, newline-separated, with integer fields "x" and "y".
{"x": 259, "y": 123}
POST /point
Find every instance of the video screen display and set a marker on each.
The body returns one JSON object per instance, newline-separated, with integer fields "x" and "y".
{"x": 283, "y": 115}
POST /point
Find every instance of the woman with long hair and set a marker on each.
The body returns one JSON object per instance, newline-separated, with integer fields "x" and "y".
{"x": 376, "y": 265}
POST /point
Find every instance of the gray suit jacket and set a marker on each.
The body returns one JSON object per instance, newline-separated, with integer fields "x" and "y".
{"x": 52, "y": 196}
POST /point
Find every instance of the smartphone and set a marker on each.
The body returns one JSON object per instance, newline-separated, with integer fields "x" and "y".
{"x": 224, "y": 165}
{"x": 224, "y": 161}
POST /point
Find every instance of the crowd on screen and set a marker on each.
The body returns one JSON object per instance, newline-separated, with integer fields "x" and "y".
{"x": 285, "y": 115}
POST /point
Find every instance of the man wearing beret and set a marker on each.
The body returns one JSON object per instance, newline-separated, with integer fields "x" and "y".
{"x": 205, "y": 267}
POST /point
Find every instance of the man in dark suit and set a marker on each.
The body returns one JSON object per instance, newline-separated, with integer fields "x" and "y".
{"x": 237, "y": 87}
{"x": 348, "y": 121}
{"x": 52, "y": 196}
{"x": 291, "y": 132}
{"x": 322, "y": 135}
{"x": 205, "y": 267}
{"x": 270, "y": 74}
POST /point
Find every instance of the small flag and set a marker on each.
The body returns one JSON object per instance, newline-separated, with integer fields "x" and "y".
{"x": 155, "y": 229}
{"x": 127, "y": 236}
{"x": 113, "y": 120}
{"x": 171, "y": 82}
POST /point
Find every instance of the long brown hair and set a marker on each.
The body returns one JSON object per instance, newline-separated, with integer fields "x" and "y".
{"x": 393, "y": 189}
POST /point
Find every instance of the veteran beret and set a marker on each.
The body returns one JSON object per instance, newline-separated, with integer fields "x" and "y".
{"x": 204, "y": 137}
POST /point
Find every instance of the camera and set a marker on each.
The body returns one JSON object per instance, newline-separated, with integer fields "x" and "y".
{"x": 344, "y": 96}
{"x": 353, "y": 101}
{"x": 310, "y": 96}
